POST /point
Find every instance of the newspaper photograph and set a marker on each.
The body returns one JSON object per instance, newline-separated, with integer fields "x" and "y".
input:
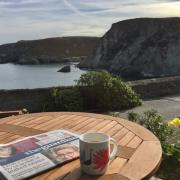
{"x": 32, "y": 155}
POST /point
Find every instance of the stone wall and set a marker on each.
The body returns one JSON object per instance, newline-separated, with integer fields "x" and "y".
{"x": 36, "y": 100}
{"x": 33, "y": 100}
{"x": 155, "y": 88}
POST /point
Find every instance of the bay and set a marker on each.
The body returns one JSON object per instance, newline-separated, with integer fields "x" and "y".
{"x": 36, "y": 76}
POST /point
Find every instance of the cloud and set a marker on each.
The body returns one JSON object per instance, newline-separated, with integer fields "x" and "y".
{"x": 73, "y": 8}
{"x": 33, "y": 19}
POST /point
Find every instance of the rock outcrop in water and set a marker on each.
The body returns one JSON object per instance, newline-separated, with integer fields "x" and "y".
{"x": 52, "y": 50}
{"x": 65, "y": 69}
{"x": 139, "y": 48}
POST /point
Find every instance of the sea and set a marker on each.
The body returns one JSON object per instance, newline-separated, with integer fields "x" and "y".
{"x": 14, "y": 76}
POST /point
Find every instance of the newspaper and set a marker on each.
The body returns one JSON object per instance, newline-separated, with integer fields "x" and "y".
{"x": 29, "y": 156}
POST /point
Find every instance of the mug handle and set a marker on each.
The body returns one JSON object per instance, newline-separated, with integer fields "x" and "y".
{"x": 115, "y": 149}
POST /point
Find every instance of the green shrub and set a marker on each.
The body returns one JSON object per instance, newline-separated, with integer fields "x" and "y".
{"x": 101, "y": 91}
{"x": 67, "y": 99}
{"x": 96, "y": 91}
{"x": 154, "y": 122}
{"x": 170, "y": 168}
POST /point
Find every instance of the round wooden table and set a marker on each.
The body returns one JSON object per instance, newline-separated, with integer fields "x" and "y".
{"x": 139, "y": 153}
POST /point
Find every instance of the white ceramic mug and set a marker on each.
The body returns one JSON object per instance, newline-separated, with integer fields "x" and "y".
{"x": 95, "y": 152}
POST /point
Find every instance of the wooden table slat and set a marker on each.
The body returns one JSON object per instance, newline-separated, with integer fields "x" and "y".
{"x": 19, "y": 130}
{"x": 145, "y": 159}
{"x": 116, "y": 128}
{"x": 96, "y": 128}
{"x": 21, "y": 121}
{"x": 39, "y": 120}
{"x": 15, "y": 119}
{"x": 54, "y": 121}
{"x": 83, "y": 122}
{"x": 90, "y": 125}
{"x": 120, "y": 134}
{"x": 109, "y": 126}
{"x": 78, "y": 121}
{"x": 116, "y": 165}
{"x": 5, "y": 136}
{"x": 126, "y": 139}
{"x": 44, "y": 122}
{"x": 10, "y": 138}
{"x": 135, "y": 142}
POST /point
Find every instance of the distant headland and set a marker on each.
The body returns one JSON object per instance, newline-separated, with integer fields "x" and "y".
{"x": 51, "y": 50}
{"x": 139, "y": 48}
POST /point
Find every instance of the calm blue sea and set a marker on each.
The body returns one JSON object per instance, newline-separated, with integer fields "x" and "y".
{"x": 36, "y": 76}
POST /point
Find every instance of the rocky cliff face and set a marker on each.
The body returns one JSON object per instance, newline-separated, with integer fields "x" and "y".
{"x": 52, "y": 50}
{"x": 139, "y": 48}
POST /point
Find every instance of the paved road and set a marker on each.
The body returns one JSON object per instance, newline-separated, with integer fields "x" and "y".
{"x": 168, "y": 107}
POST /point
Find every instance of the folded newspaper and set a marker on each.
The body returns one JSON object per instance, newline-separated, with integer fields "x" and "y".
{"x": 29, "y": 156}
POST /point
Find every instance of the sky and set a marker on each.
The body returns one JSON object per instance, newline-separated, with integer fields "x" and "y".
{"x": 37, "y": 19}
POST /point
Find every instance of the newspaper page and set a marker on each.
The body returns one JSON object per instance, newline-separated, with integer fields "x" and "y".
{"x": 32, "y": 155}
